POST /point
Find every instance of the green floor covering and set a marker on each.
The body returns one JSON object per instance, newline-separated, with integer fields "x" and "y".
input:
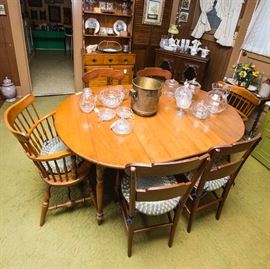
{"x": 72, "y": 238}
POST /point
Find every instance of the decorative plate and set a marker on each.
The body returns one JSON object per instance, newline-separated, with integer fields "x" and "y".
{"x": 119, "y": 26}
{"x": 92, "y": 23}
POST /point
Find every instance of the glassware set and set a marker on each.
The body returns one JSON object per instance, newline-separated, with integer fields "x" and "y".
{"x": 111, "y": 99}
{"x": 215, "y": 101}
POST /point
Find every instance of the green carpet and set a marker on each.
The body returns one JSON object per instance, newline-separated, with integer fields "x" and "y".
{"x": 72, "y": 239}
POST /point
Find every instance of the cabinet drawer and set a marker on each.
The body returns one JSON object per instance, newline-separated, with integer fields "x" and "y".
{"x": 111, "y": 59}
{"x": 126, "y": 59}
{"x": 94, "y": 59}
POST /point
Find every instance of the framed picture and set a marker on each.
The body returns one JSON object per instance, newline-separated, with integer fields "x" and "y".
{"x": 42, "y": 15}
{"x": 54, "y": 14}
{"x": 102, "y": 5}
{"x": 35, "y": 3}
{"x": 153, "y": 12}
{"x": 67, "y": 15}
{"x": 34, "y": 14}
{"x": 185, "y": 4}
{"x": 183, "y": 17}
{"x": 49, "y": 1}
{"x": 2, "y": 9}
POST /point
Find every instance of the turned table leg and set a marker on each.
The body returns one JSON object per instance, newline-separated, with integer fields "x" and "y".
{"x": 99, "y": 193}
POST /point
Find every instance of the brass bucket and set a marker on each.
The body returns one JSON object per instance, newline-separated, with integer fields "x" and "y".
{"x": 145, "y": 95}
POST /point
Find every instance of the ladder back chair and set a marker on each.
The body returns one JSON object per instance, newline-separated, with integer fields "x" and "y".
{"x": 153, "y": 190}
{"x": 111, "y": 75}
{"x": 215, "y": 183}
{"x": 242, "y": 100}
{"x": 154, "y": 72}
{"x": 58, "y": 166}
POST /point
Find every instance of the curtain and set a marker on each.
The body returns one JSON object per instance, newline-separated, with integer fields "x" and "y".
{"x": 228, "y": 11}
{"x": 257, "y": 38}
{"x": 203, "y": 23}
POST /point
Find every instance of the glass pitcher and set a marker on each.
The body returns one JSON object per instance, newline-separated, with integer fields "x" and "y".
{"x": 87, "y": 100}
{"x": 217, "y": 98}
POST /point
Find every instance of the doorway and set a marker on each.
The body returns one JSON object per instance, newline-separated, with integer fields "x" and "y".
{"x": 49, "y": 43}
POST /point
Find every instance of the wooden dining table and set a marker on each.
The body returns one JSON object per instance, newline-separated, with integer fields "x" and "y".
{"x": 162, "y": 137}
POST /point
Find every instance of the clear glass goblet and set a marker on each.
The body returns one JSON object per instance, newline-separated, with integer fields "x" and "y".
{"x": 183, "y": 98}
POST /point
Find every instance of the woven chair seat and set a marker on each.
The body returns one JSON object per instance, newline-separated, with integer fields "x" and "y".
{"x": 154, "y": 207}
{"x": 55, "y": 145}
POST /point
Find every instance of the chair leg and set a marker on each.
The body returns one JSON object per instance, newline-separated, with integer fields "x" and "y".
{"x": 45, "y": 205}
{"x": 173, "y": 228}
{"x": 130, "y": 239}
{"x": 117, "y": 185}
{"x": 193, "y": 210}
{"x": 92, "y": 194}
{"x": 224, "y": 197}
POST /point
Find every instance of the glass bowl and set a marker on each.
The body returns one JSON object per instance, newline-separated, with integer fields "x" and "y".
{"x": 200, "y": 110}
{"x": 111, "y": 98}
{"x": 106, "y": 114}
{"x": 124, "y": 112}
{"x": 121, "y": 127}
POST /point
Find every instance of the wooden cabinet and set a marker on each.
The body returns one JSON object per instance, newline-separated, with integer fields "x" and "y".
{"x": 182, "y": 65}
{"x": 113, "y": 23}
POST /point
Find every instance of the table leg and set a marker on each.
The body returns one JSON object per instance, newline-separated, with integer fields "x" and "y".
{"x": 99, "y": 193}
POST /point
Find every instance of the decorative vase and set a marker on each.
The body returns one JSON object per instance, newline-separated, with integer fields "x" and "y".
{"x": 8, "y": 90}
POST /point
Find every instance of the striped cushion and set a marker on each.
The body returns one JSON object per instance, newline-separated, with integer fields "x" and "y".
{"x": 52, "y": 146}
{"x": 153, "y": 207}
{"x": 213, "y": 184}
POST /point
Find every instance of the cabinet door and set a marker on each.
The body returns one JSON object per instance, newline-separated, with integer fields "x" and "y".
{"x": 262, "y": 151}
{"x": 128, "y": 72}
{"x": 126, "y": 69}
{"x": 97, "y": 81}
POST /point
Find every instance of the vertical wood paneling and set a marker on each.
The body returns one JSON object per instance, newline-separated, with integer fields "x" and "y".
{"x": 8, "y": 63}
{"x": 146, "y": 38}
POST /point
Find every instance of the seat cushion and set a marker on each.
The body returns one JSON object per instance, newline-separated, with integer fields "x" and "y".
{"x": 55, "y": 145}
{"x": 213, "y": 184}
{"x": 153, "y": 207}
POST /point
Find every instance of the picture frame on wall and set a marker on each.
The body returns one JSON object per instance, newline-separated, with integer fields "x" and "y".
{"x": 34, "y": 14}
{"x": 183, "y": 16}
{"x": 49, "y": 1}
{"x": 54, "y": 14}
{"x": 185, "y": 4}
{"x": 67, "y": 15}
{"x": 35, "y": 3}
{"x": 153, "y": 12}
{"x": 2, "y": 10}
{"x": 42, "y": 15}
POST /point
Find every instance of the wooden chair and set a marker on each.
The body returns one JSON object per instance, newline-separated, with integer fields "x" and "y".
{"x": 217, "y": 180}
{"x": 153, "y": 190}
{"x": 57, "y": 165}
{"x": 155, "y": 72}
{"x": 242, "y": 100}
{"x": 108, "y": 73}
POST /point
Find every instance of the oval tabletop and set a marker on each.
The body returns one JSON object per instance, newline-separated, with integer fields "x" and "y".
{"x": 162, "y": 137}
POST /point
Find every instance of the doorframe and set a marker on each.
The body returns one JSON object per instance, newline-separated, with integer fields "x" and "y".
{"x": 17, "y": 31}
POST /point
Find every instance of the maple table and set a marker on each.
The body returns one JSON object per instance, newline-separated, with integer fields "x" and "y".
{"x": 159, "y": 138}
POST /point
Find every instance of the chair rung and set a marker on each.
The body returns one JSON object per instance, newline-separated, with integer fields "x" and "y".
{"x": 152, "y": 227}
{"x": 70, "y": 203}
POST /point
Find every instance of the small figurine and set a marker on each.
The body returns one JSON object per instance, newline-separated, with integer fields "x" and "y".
{"x": 204, "y": 52}
{"x": 195, "y": 46}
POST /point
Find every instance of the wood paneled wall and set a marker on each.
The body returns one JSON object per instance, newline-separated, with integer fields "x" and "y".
{"x": 146, "y": 38}
{"x": 8, "y": 63}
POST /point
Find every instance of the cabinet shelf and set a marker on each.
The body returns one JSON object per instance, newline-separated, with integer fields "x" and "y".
{"x": 116, "y": 14}
{"x": 107, "y": 36}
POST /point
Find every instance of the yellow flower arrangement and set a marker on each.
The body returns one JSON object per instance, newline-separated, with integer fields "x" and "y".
{"x": 244, "y": 74}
